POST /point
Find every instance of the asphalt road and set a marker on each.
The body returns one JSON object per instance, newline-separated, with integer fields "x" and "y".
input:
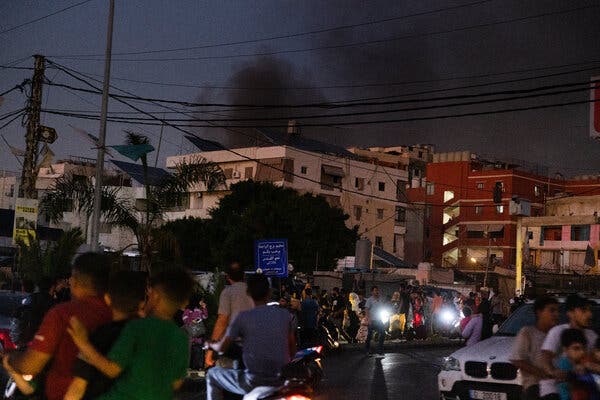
{"x": 404, "y": 373}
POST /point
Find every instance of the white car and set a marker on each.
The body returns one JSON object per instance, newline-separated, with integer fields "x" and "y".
{"x": 483, "y": 371}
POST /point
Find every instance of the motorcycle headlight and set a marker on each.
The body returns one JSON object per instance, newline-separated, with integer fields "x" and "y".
{"x": 450, "y": 364}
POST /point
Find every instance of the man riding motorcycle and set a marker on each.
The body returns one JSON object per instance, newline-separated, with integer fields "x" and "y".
{"x": 269, "y": 342}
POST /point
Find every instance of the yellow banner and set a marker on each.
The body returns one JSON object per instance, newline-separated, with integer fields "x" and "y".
{"x": 26, "y": 213}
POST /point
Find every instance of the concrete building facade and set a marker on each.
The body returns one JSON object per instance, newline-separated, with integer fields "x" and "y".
{"x": 371, "y": 194}
{"x": 560, "y": 240}
{"x": 462, "y": 224}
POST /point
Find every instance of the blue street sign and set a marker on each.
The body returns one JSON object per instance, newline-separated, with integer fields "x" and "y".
{"x": 271, "y": 257}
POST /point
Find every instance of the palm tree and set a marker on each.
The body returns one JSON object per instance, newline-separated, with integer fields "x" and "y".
{"x": 52, "y": 260}
{"x": 142, "y": 219}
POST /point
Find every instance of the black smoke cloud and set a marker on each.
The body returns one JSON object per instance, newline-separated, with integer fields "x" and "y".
{"x": 262, "y": 81}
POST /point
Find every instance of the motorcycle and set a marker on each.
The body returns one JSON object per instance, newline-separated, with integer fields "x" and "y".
{"x": 302, "y": 376}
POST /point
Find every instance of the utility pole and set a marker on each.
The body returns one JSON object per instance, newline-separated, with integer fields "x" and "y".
{"x": 489, "y": 255}
{"x": 29, "y": 171}
{"x": 519, "y": 260}
{"x": 102, "y": 136}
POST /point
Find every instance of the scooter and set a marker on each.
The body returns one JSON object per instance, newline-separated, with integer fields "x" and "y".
{"x": 301, "y": 377}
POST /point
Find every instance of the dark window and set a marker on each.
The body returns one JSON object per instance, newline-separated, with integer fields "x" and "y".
{"x": 357, "y": 212}
{"x": 551, "y": 233}
{"x": 380, "y": 213}
{"x": 379, "y": 241}
{"x": 400, "y": 214}
{"x": 382, "y": 186}
{"x": 475, "y": 234}
{"x": 248, "y": 172}
{"x": 420, "y": 154}
{"x": 497, "y": 234}
{"x": 580, "y": 233}
{"x": 400, "y": 190}
{"x": 303, "y": 170}
{"x": 359, "y": 183}
{"x": 228, "y": 172}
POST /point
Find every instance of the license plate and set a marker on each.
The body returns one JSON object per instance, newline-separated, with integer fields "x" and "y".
{"x": 481, "y": 395}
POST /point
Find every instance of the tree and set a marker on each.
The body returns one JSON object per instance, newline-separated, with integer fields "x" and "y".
{"x": 117, "y": 209}
{"x": 52, "y": 260}
{"x": 262, "y": 210}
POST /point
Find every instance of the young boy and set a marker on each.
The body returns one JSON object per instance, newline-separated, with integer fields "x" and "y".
{"x": 572, "y": 362}
{"x": 126, "y": 295}
{"x": 150, "y": 357}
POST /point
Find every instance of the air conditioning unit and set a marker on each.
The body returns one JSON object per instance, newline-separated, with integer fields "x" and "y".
{"x": 236, "y": 175}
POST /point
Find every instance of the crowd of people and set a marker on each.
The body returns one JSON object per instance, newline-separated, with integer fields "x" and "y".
{"x": 411, "y": 312}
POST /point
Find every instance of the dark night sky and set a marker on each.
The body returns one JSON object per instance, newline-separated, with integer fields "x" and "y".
{"x": 557, "y": 137}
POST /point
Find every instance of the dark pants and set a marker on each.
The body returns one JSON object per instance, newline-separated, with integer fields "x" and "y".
{"x": 380, "y": 329}
{"x": 197, "y": 356}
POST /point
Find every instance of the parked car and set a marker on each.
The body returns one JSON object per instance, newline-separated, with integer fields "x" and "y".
{"x": 483, "y": 371}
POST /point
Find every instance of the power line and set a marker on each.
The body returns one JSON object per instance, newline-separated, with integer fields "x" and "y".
{"x": 357, "y": 123}
{"x": 345, "y": 45}
{"x": 389, "y": 111}
{"x": 259, "y": 161}
{"x": 321, "y": 104}
{"x": 284, "y": 36}
{"x": 44, "y": 17}
{"x": 380, "y": 84}
{"x": 12, "y": 120}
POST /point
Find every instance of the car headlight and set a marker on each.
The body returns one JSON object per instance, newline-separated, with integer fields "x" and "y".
{"x": 447, "y": 316}
{"x": 384, "y": 315}
{"x": 450, "y": 364}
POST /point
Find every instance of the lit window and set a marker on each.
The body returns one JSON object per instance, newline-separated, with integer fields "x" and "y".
{"x": 478, "y": 210}
{"x": 537, "y": 191}
{"x": 448, "y": 195}
{"x": 499, "y": 209}
{"x": 480, "y": 185}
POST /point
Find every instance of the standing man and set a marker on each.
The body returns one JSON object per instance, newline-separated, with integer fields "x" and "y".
{"x": 309, "y": 312}
{"x": 527, "y": 348}
{"x": 373, "y": 307}
{"x": 52, "y": 344}
{"x": 403, "y": 308}
{"x": 233, "y": 300}
{"x": 338, "y": 305}
{"x": 579, "y": 313}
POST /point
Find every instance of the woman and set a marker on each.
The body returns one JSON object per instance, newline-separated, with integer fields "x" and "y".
{"x": 473, "y": 328}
